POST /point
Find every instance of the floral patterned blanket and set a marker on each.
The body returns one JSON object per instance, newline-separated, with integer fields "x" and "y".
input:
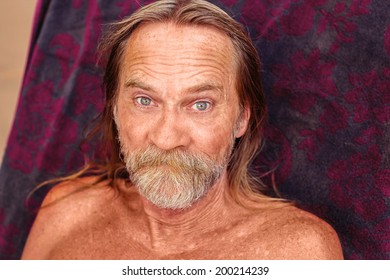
{"x": 326, "y": 74}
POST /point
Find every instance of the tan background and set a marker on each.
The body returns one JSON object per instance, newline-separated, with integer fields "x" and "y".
{"x": 16, "y": 18}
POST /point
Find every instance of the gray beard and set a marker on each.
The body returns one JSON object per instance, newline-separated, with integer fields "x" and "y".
{"x": 173, "y": 179}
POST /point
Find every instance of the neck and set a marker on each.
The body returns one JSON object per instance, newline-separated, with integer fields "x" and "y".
{"x": 167, "y": 227}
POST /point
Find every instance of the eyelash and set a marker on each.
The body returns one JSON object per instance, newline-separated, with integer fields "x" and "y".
{"x": 208, "y": 105}
{"x": 138, "y": 101}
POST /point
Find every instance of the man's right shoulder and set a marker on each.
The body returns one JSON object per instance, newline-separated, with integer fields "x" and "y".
{"x": 65, "y": 208}
{"x": 74, "y": 190}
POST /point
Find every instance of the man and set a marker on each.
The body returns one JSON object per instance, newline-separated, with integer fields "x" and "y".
{"x": 182, "y": 121}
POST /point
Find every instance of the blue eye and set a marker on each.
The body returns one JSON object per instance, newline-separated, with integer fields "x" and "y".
{"x": 201, "y": 105}
{"x": 144, "y": 101}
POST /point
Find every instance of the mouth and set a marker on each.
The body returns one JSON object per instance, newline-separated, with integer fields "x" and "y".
{"x": 163, "y": 166}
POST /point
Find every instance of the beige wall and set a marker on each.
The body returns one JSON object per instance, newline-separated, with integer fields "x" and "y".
{"x": 15, "y": 27}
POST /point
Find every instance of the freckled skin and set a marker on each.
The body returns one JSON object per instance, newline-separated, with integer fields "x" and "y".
{"x": 169, "y": 75}
{"x": 179, "y": 94}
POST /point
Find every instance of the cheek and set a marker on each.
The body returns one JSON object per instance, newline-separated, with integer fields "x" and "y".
{"x": 130, "y": 129}
{"x": 214, "y": 139}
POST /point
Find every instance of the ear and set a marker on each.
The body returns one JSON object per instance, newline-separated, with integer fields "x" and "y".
{"x": 242, "y": 123}
{"x": 115, "y": 112}
{"x": 115, "y": 116}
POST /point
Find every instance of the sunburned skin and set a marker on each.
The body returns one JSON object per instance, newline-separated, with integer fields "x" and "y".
{"x": 180, "y": 95}
{"x": 186, "y": 68}
{"x": 177, "y": 91}
{"x": 102, "y": 223}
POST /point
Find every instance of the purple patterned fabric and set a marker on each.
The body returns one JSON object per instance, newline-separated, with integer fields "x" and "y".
{"x": 326, "y": 73}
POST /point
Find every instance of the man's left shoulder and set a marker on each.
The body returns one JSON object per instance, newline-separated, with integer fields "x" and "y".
{"x": 297, "y": 234}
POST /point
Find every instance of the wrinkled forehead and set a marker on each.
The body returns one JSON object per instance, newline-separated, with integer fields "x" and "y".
{"x": 171, "y": 43}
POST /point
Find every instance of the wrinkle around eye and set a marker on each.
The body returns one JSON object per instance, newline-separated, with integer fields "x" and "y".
{"x": 144, "y": 101}
{"x": 206, "y": 109}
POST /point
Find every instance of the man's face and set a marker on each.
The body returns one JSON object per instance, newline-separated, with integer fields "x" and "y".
{"x": 177, "y": 111}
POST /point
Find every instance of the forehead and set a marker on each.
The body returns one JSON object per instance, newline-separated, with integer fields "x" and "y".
{"x": 177, "y": 48}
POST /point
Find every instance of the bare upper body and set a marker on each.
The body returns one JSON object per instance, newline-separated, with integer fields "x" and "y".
{"x": 176, "y": 92}
{"x": 101, "y": 222}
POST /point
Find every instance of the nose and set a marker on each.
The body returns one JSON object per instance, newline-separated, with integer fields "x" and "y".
{"x": 169, "y": 131}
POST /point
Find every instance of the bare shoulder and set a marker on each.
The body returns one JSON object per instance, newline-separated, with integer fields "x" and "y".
{"x": 80, "y": 190}
{"x": 297, "y": 234}
{"x": 66, "y": 206}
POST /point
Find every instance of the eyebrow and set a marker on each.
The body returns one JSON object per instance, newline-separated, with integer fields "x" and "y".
{"x": 207, "y": 86}
{"x": 210, "y": 86}
{"x": 136, "y": 83}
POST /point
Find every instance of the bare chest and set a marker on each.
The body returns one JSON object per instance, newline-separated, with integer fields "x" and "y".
{"x": 116, "y": 244}
{"x": 113, "y": 250}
